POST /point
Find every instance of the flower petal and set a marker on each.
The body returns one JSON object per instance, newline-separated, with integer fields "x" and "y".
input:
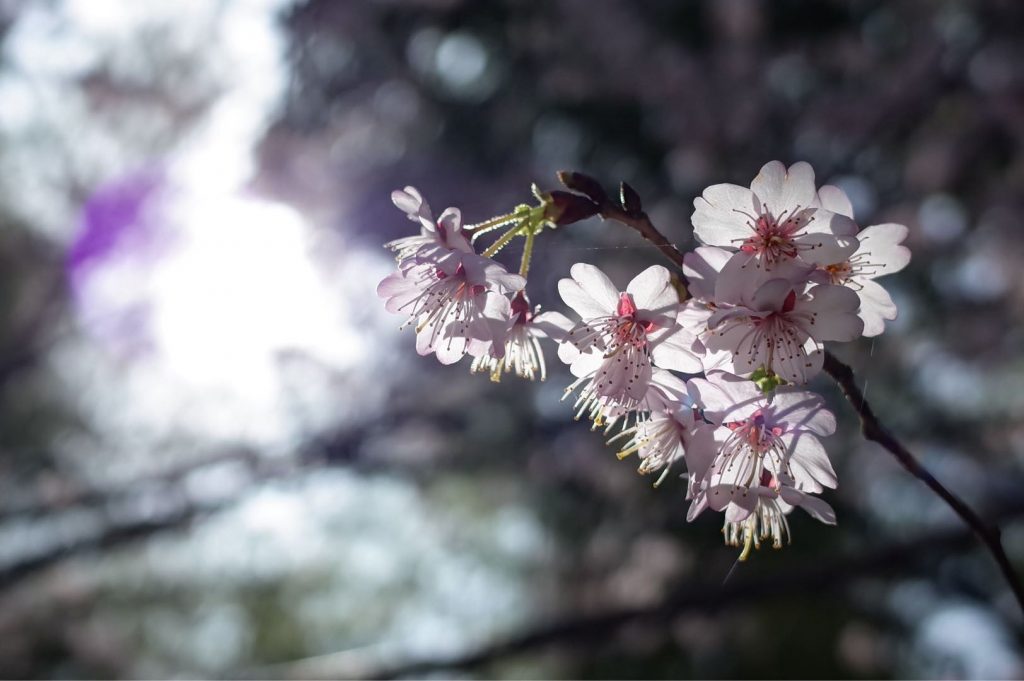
{"x": 411, "y": 202}
{"x": 875, "y": 307}
{"x": 833, "y": 311}
{"x": 798, "y": 190}
{"x": 725, "y": 397}
{"x": 802, "y": 410}
{"x": 835, "y": 199}
{"x": 881, "y": 247}
{"x": 721, "y": 215}
{"x": 649, "y": 288}
{"x": 809, "y": 462}
{"x": 674, "y": 350}
{"x": 821, "y": 248}
{"x": 767, "y": 186}
{"x": 701, "y": 267}
{"x": 551, "y": 324}
{"x": 815, "y": 507}
{"x": 771, "y": 295}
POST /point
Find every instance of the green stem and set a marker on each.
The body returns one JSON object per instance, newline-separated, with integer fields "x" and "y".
{"x": 524, "y": 264}
{"x": 493, "y": 223}
{"x": 493, "y": 249}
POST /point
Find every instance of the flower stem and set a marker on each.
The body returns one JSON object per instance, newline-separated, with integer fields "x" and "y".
{"x": 507, "y": 237}
{"x": 524, "y": 264}
{"x": 493, "y": 223}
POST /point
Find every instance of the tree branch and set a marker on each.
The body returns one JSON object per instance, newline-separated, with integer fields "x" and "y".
{"x": 873, "y": 430}
{"x": 820, "y": 577}
{"x": 629, "y": 212}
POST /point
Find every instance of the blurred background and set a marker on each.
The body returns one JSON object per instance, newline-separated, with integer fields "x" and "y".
{"x": 220, "y": 458}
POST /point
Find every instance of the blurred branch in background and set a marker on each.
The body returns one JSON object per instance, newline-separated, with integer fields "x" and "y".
{"x": 827, "y": 575}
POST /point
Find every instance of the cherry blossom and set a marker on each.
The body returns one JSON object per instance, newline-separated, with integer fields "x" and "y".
{"x": 772, "y": 500}
{"x": 522, "y": 352}
{"x": 623, "y": 334}
{"x": 781, "y": 270}
{"x": 665, "y": 391}
{"x": 457, "y": 310}
{"x": 880, "y": 252}
{"x": 778, "y": 219}
{"x": 759, "y": 455}
{"x": 661, "y": 439}
{"x": 437, "y": 242}
{"x": 780, "y": 325}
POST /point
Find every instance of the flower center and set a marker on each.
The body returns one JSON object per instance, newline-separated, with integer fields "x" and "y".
{"x": 839, "y": 272}
{"x": 628, "y": 329}
{"x": 773, "y": 237}
{"x": 756, "y": 433}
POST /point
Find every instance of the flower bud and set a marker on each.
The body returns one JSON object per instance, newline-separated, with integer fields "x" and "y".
{"x": 563, "y": 208}
{"x": 584, "y": 184}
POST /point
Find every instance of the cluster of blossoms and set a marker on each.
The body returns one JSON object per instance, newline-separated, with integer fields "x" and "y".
{"x": 783, "y": 268}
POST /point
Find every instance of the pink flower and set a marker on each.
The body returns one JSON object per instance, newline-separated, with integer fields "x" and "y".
{"x": 436, "y": 241}
{"x": 623, "y": 335}
{"x": 458, "y": 306}
{"x": 758, "y": 456}
{"x": 665, "y": 391}
{"x": 880, "y": 252}
{"x": 778, "y": 219}
{"x": 659, "y": 440}
{"x": 521, "y": 351}
{"x": 771, "y": 501}
{"x": 779, "y": 325}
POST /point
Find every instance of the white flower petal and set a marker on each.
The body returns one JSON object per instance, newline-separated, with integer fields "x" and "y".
{"x": 580, "y": 301}
{"x": 411, "y": 202}
{"x": 798, "y": 364}
{"x": 834, "y": 313}
{"x": 802, "y": 410}
{"x": 551, "y": 324}
{"x": 597, "y": 285}
{"x": 835, "y": 199}
{"x": 876, "y": 306}
{"x": 798, "y": 190}
{"x": 815, "y": 507}
{"x": 649, "y": 287}
{"x": 701, "y": 267}
{"x": 810, "y": 463}
{"x": 821, "y": 248}
{"x": 721, "y": 215}
{"x": 767, "y": 186}
{"x": 771, "y": 295}
{"x": 674, "y": 350}
{"x": 881, "y": 246}
{"x": 725, "y": 397}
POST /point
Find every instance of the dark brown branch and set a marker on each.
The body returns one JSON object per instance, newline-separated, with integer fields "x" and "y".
{"x": 831, "y": 575}
{"x": 873, "y": 430}
{"x": 642, "y": 223}
{"x": 842, "y": 374}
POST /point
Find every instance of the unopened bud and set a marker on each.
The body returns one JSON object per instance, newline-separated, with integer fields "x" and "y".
{"x": 564, "y": 208}
{"x": 630, "y": 200}
{"x": 584, "y": 184}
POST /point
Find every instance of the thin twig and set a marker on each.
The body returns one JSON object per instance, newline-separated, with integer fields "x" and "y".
{"x": 642, "y": 223}
{"x": 871, "y": 427}
{"x": 873, "y": 430}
